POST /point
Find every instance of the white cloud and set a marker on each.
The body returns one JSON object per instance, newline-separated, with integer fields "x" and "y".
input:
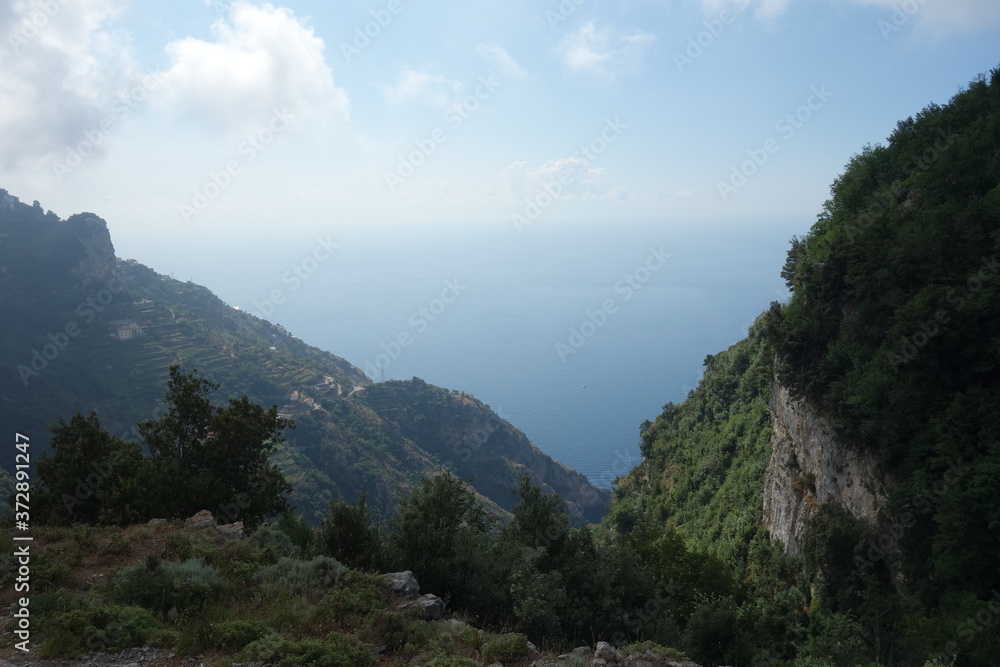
{"x": 260, "y": 58}
{"x": 604, "y": 50}
{"x": 938, "y": 17}
{"x": 662, "y": 194}
{"x": 569, "y": 177}
{"x": 499, "y": 57}
{"x": 434, "y": 89}
{"x": 64, "y": 69}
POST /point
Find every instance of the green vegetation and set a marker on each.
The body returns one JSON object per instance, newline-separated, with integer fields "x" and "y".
{"x": 201, "y": 457}
{"x": 891, "y": 332}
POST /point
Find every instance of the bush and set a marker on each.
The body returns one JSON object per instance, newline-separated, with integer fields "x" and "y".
{"x": 640, "y": 648}
{"x": 195, "y": 584}
{"x": 278, "y": 541}
{"x": 168, "y": 588}
{"x": 178, "y": 547}
{"x": 309, "y": 578}
{"x": 113, "y": 628}
{"x": 336, "y": 651}
{"x": 237, "y": 634}
{"x": 504, "y": 647}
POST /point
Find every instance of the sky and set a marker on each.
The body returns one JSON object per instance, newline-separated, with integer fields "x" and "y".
{"x": 191, "y": 121}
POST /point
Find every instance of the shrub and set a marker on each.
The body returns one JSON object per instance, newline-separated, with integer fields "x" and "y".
{"x": 178, "y": 547}
{"x": 451, "y": 661}
{"x": 301, "y": 578}
{"x": 144, "y": 586}
{"x": 267, "y": 537}
{"x": 99, "y": 628}
{"x": 336, "y": 651}
{"x": 168, "y": 588}
{"x": 504, "y": 647}
{"x": 47, "y": 573}
{"x": 195, "y": 584}
{"x": 118, "y": 546}
{"x": 237, "y": 634}
{"x": 640, "y": 648}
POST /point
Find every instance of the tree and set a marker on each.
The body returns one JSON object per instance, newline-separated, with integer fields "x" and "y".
{"x": 91, "y": 477}
{"x": 209, "y": 457}
{"x": 351, "y": 536}
{"x": 438, "y": 533}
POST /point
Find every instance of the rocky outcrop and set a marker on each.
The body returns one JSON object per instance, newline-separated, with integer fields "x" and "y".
{"x": 204, "y": 519}
{"x": 605, "y": 655}
{"x": 809, "y": 467}
{"x": 402, "y": 583}
{"x": 97, "y": 265}
{"x": 431, "y": 605}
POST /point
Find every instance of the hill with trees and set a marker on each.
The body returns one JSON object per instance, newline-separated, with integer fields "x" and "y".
{"x": 88, "y": 332}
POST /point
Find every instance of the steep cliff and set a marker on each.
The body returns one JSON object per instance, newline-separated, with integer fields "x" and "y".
{"x": 808, "y": 466}
{"x": 97, "y": 263}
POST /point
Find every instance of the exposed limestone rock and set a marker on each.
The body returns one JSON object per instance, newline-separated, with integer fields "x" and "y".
{"x": 808, "y": 467}
{"x": 402, "y": 583}
{"x": 97, "y": 265}
{"x": 202, "y": 519}
{"x": 231, "y": 531}
{"x": 607, "y": 653}
{"x": 432, "y": 606}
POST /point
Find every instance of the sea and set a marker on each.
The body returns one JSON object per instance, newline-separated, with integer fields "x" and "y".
{"x": 574, "y": 333}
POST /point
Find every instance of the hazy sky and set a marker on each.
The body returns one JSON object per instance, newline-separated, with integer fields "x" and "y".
{"x": 173, "y": 118}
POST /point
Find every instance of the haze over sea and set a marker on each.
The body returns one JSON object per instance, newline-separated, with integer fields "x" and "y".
{"x": 514, "y": 298}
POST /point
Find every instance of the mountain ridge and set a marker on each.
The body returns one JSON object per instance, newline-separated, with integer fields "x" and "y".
{"x": 78, "y": 311}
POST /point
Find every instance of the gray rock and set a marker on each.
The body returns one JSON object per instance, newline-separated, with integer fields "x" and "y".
{"x": 402, "y": 583}
{"x": 432, "y": 606}
{"x": 231, "y": 531}
{"x": 607, "y": 653}
{"x": 202, "y": 519}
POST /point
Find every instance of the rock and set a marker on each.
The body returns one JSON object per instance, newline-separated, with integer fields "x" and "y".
{"x": 432, "y": 606}
{"x": 156, "y": 522}
{"x": 402, "y": 583}
{"x": 532, "y": 649}
{"x": 202, "y": 519}
{"x": 231, "y": 531}
{"x": 607, "y": 653}
{"x": 809, "y": 467}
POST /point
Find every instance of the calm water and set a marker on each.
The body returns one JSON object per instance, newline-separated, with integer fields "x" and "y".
{"x": 485, "y": 310}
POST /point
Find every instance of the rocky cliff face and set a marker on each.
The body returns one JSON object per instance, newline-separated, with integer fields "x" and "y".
{"x": 809, "y": 467}
{"x": 97, "y": 265}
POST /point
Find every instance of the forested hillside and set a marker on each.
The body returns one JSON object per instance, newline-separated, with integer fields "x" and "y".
{"x": 892, "y": 335}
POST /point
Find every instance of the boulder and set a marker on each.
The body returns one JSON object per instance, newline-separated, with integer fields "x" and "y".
{"x": 432, "y": 606}
{"x": 156, "y": 522}
{"x": 231, "y": 531}
{"x": 202, "y": 519}
{"x": 403, "y": 584}
{"x": 607, "y": 653}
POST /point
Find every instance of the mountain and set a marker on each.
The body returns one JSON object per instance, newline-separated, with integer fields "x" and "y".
{"x": 86, "y": 331}
{"x": 856, "y": 429}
